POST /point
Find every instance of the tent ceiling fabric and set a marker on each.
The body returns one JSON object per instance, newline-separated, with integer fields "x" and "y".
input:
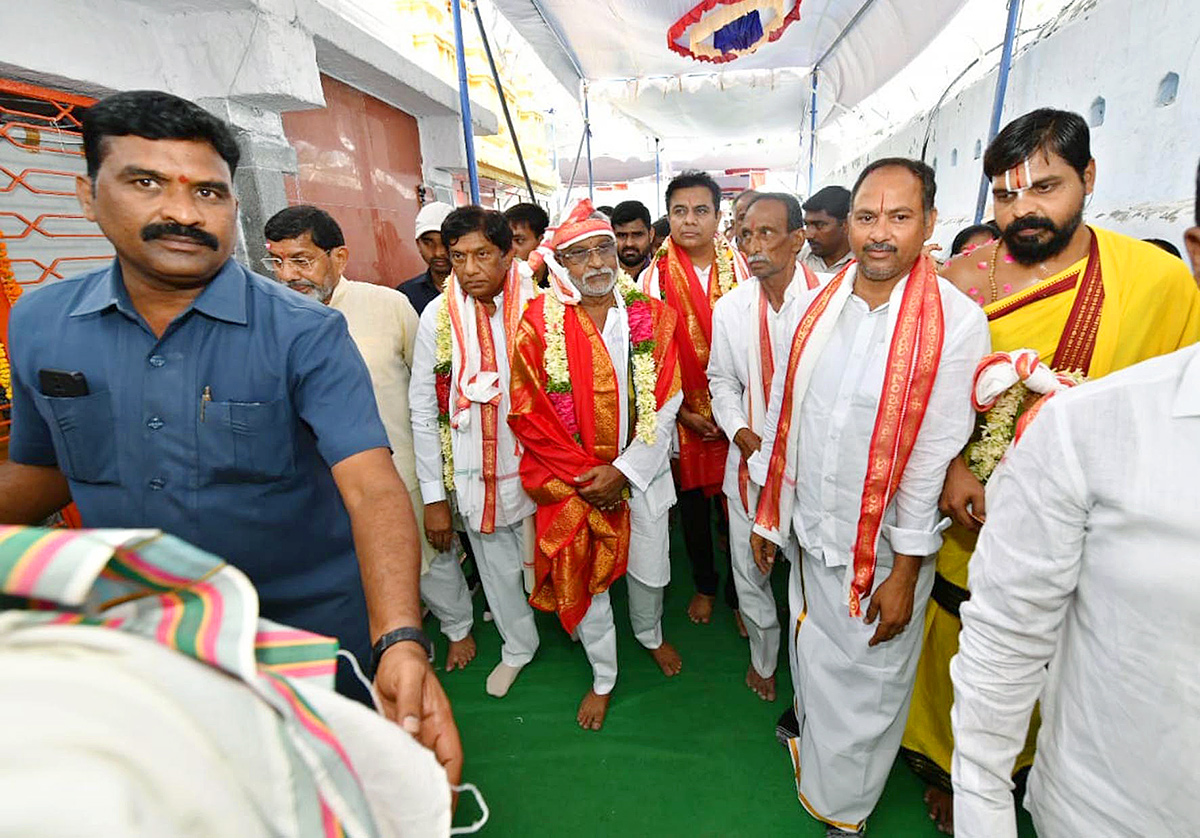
{"x": 621, "y": 49}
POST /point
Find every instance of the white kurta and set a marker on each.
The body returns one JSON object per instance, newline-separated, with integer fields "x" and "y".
{"x": 512, "y": 504}
{"x": 730, "y": 381}
{"x": 852, "y": 700}
{"x": 383, "y": 325}
{"x": 1090, "y": 564}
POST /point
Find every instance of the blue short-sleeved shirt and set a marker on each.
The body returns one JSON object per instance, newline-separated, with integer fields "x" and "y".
{"x": 245, "y": 475}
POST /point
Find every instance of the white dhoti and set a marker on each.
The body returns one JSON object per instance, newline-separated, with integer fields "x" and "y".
{"x": 649, "y": 570}
{"x": 598, "y": 635}
{"x": 755, "y": 597}
{"x": 851, "y": 699}
{"x": 444, "y": 589}
{"x": 500, "y": 556}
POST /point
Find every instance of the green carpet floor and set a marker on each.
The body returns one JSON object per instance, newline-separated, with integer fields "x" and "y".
{"x": 693, "y": 755}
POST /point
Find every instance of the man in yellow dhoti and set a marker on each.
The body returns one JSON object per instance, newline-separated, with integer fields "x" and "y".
{"x": 1084, "y": 299}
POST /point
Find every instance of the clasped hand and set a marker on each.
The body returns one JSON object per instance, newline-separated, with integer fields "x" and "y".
{"x": 601, "y": 486}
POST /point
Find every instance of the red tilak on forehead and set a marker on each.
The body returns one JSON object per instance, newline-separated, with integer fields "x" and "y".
{"x": 183, "y": 179}
{"x": 270, "y": 245}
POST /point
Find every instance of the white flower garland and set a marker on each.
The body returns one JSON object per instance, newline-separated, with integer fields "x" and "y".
{"x": 645, "y": 375}
{"x": 443, "y": 364}
{"x": 999, "y": 426}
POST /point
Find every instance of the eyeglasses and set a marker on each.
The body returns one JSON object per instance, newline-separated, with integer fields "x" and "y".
{"x": 300, "y": 263}
{"x": 582, "y": 255}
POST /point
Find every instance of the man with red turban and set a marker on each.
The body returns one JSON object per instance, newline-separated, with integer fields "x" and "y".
{"x": 595, "y": 390}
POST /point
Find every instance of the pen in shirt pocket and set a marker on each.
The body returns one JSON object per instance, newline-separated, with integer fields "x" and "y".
{"x": 205, "y": 398}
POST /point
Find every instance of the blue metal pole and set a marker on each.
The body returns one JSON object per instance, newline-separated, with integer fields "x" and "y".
{"x": 1010, "y": 34}
{"x": 657, "y": 181}
{"x": 587, "y": 134}
{"x": 464, "y": 101}
{"x": 812, "y": 132}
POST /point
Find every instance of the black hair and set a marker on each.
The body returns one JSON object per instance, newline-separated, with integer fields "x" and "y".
{"x": 1062, "y": 132}
{"x": 693, "y": 178}
{"x": 967, "y": 233}
{"x": 294, "y": 222}
{"x": 531, "y": 215}
{"x": 1163, "y": 244}
{"x": 795, "y": 214}
{"x": 749, "y": 193}
{"x": 833, "y": 200}
{"x": 153, "y": 115}
{"x": 1197, "y": 209}
{"x": 628, "y": 211}
{"x": 920, "y": 170}
{"x": 606, "y": 209}
{"x": 662, "y": 227}
{"x": 475, "y": 219}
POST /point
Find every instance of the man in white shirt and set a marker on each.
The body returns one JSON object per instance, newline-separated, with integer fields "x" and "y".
{"x": 595, "y": 390}
{"x": 309, "y": 254}
{"x": 1085, "y": 593}
{"x": 694, "y": 269}
{"x": 751, "y": 338}
{"x": 460, "y": 399}
{"x": 827, "y": 246}
{"x": 870, "y": 407}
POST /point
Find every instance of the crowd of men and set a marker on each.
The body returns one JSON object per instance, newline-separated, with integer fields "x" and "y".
{"x": 541, "y": 397}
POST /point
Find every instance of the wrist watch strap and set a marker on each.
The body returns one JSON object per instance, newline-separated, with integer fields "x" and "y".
{"x": 400, "y": 635}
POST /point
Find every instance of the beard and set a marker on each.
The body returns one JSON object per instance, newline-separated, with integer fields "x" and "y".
{"x": 1028, "y": 252}
{"x": 596, "y": 283}
{"x": 321, "y": 293}
{"x": 631, "y": 257}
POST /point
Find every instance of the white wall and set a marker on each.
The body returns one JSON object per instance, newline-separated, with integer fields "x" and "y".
{"x": 1146, "y": 155}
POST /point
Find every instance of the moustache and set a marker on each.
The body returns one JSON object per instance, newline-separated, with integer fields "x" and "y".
{"x": 881, "y": 247}
{"x": 603, "y": 273}
{"x": 757, "y": 259}
{"x": 1030, "y": 222}
{"x": 157, "y": 231}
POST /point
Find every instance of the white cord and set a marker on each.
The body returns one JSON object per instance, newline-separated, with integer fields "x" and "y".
{"x": 485, "y": 812}
{"x": 358, "y": 673}
{"x": 465, "y": 787}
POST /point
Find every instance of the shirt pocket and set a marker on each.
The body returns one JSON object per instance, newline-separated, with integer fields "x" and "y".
{"x": 245, "y": 442}
{"x": 87, "y": 445}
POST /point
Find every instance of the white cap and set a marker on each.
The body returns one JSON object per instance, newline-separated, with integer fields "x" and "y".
{"x": 431, "y": 217}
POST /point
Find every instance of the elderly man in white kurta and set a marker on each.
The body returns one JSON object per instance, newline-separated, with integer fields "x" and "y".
{"x": 595, "y": 393}
{"x": 873, "y": 403}
{"x": 1085, "y": 593}
{"x": 308, "y": 252}
{"x": 460, "y": 399}
{"x": 750, "y": 336}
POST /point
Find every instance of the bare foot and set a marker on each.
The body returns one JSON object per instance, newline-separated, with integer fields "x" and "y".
{"x": 592, "y": 710}
{"x": 700, "y": 608}
{"x": 941, "y": 809}
{"x": 765, "y": 687}
{"x": 741, "y": 624}
{"x": 668, "y": 659}
{"x": 460, "y": 653}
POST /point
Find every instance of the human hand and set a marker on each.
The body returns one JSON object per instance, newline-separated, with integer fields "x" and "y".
{"x": 763, "y": 550}
{"x": 601, "y": 486}
{"x": 892, "y": 601}
{"x": 747, "y": 442}
{"x": 412, "y": 697}
{"x": 963, "y": 496}
{"x": 439, "y": 529}
{"x": 704, "y": 427}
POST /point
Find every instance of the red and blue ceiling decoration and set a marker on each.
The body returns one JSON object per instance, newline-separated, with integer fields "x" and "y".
{"x": 718, "y": 31}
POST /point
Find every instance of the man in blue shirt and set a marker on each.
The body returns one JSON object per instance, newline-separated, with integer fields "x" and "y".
{"x": 177, "y": 390}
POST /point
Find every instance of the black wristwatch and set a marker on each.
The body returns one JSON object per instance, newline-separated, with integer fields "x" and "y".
{"x": 391, "y": 638}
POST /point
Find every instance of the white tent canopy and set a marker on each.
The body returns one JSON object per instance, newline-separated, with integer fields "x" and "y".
{"x": 748, "y": 111}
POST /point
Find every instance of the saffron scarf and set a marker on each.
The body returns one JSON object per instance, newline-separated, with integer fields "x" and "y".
{"x": 478, "y": 387}
{"x": 580, "y": 550}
